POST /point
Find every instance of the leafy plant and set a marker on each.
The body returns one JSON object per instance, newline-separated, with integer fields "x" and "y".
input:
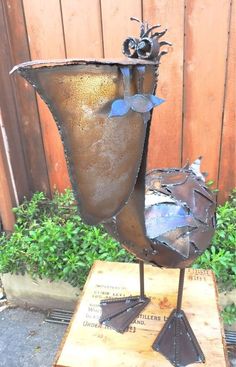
{"x": 50, "y": 240}
{"x": 229, "y": 314}
{"x": 221, "y": 255}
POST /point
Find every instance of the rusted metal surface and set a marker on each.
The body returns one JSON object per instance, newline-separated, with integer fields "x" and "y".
{"x": 170, "y": 224}
{"x": 166, "y": 217}
{"x": 176, "y": 341}
{"x": 119, "y": 313}
{"x": 103, "y": 153}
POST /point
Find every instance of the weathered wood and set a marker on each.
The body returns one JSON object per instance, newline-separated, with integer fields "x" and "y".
{"x": 86, "y": 343}
{"x": 26, "y": 105}
{"x": 83, "y": 28}
{"x": 116, "y": 24}
{"x": 205, "y": 67}
{"x": 227, "y": 172}
{"x": 45, "y": 36}
{"x": 9, "y": 113}
{"x": 209, "y": 92}
{"x": 166, "y": 131}
{"x": 7, "y": 200}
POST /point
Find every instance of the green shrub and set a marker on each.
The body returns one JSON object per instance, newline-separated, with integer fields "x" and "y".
{"x": 50, "y": 240}
{"x": 229, "y": 314}
{"x": 221, "y": 255}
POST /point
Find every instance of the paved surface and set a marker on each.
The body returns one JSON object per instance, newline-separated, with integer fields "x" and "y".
{"x": 26, "y": 340}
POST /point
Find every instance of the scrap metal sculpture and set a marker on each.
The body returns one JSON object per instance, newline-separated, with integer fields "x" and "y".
{"x": 166, "y": 217}
{"x": 103, "y": 153}
{"x": 102, "y": 109}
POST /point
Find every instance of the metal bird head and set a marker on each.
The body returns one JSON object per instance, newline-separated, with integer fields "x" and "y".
{"x": 148, "y": 46}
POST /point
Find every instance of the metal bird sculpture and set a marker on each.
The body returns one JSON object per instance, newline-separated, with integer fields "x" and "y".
{"x": 103, "y": 110}
{"x": 168, "y": 221}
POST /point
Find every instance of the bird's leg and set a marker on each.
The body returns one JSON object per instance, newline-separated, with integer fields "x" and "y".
{"x": 180, "y": 290}
{"x": 119, "y": 313}
{"x": 176, "y": 341}
{"x": 141, "y": 279}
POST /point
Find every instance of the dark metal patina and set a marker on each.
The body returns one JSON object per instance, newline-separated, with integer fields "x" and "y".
{"x": 176, "y": 341}
{"x": 172, "y": 217}
{"x": 169, "y": 221}
{"x": 166, "y": 217}
{"x": 148, "y": 45}
{"x": 119, "y": 313}
{"x": 103, "y": 153}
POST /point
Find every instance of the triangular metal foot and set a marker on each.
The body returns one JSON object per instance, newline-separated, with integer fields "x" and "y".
{"x": 177, "y": 341}
{"x": 118, "y": 313}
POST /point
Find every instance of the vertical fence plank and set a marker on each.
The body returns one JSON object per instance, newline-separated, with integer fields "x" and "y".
{"x": 46, "y": 41}
{"x": 85, "y": 25}
{"x": 117, "y": 25}
{"x": 83, "y": 28}
{"x": 227, "y": 174}
{"x": 26, "y": 106}
{"x": 206, "y": 51}
{"x": 6, "y": 196}
{"x": 166, "y": 130}
{"x": 9, "y": 113}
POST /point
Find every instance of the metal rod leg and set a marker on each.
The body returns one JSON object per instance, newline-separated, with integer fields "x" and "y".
{"x": 180, "y": 290}
{"x": 141, "y": 279}
{"x": 176, "y": 341}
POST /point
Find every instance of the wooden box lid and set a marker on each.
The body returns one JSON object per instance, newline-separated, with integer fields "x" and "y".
{"x": 88, "y": 344}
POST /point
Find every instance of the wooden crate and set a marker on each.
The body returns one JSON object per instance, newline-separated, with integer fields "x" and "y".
{"x": 88, "y": 344}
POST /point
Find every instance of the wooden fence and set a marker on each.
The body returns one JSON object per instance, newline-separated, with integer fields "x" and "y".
{"x": 197, "y": 79}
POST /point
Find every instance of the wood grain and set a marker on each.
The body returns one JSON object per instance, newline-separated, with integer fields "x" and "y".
{"x": 166, "y": 129}
{"x": 86, "y": 343}
{"x": 117, "y": 26}
{"x": 83, "y": 28}
{"x": 86, "y": 29}
{"x": 7, "y": 200}
{"x": 45, "y": 36}
{"x": 9, "y": 113}
{"x": 26, "y": 105}
{"x": 227, "y": 173}
{"x": 205, "y": 57}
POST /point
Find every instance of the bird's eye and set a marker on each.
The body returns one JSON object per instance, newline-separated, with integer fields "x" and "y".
{"x": 130, "y": 47}
{"x": 144, "y": 48}
{"x": 132, "y": 44}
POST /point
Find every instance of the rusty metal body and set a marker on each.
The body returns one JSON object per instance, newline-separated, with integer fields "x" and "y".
{"x": 166, "y": 217}
{"x": 169, "y": 219}
{"x": 103, "y": 153}
{"x": 102, "y": 109}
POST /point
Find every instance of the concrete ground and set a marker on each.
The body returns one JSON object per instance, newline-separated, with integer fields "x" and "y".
{"x": 26, "y": 340}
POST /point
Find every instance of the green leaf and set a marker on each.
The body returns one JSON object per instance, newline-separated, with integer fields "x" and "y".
{"x": 51, "y": 241}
